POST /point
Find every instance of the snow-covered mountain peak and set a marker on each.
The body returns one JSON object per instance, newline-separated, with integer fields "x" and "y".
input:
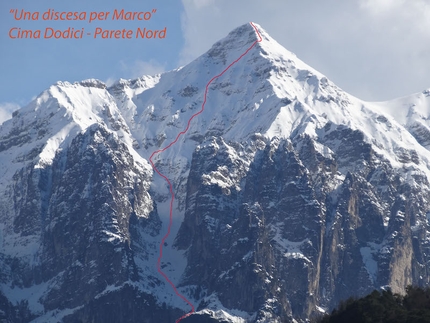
{"x": 268, "y": 91}
{"x": 238, "y": 39}
{"x": 280, "y": 166}
{"x": 246, "y": 99}
{"x": 50, "y": 122}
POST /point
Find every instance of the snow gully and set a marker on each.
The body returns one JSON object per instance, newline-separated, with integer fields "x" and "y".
{"x": 170, "y": 184}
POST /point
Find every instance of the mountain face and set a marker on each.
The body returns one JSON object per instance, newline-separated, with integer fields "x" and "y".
{"x": 290, "y": 194}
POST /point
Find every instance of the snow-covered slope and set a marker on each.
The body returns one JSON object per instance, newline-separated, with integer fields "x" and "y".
{"x": 282, "y": 171}
{"x": 271, "y": 92}
{"x": 413, "y": 113}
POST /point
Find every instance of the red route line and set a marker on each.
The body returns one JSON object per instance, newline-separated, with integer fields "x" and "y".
{"x": 171, "y": 186}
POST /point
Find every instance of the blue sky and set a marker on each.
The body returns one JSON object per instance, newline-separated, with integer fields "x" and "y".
{"x": 373, "y": 49}
{"x": 28, "y": 66}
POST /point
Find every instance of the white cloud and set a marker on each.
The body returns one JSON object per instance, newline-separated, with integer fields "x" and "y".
{"x": 193, "y": 21}
{"x": 374, "y": 49}
{"x": 110, "y": 81}
{"x": 202, "y": 3}
{"x": 379, "y": 7}
{"x": 402, "y": 15}
{"x": 6, "y": 109}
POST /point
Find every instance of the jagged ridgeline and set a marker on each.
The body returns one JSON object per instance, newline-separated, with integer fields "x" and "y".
{"x": 290, "y": 194}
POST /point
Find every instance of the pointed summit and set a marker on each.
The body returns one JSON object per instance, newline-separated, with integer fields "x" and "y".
{"x": 243, "y": 37}
{"x": 246, "y": 34}
{"x": 228, "y": 48}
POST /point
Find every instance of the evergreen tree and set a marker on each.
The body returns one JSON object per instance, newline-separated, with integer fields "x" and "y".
{"x": 384, "y": 307}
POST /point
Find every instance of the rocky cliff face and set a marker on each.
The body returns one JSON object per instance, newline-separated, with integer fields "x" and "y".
{"x": 290, "y": 194}
{"x": 286, "y": 231}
